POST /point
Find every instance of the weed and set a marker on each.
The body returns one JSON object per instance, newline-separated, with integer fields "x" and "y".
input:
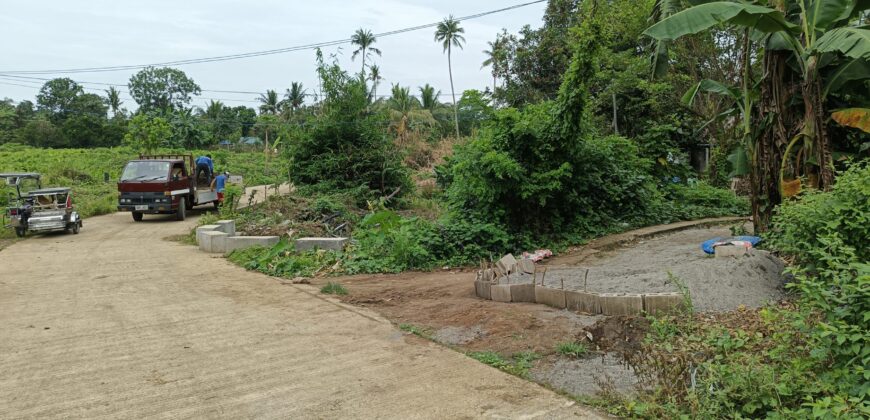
{"x": 413, "y": 329}
{"x": 518, "y": 365}
{"x": 572, "y": 349}
{"x": 333, "y": 288}
{"x": 688, "y": 306}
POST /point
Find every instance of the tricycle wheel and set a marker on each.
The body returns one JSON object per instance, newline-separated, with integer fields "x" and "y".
{"x": 20, "y": 232}
{"x": 137, "y": 217}
{"x": 75, "y": 228}
{"x": 182, "y": 209}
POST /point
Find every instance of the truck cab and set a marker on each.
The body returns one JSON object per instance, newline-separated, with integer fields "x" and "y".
{"x": 162, "y": 184}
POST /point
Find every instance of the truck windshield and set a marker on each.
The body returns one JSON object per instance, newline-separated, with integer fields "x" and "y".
{"x": 145, "y": 171}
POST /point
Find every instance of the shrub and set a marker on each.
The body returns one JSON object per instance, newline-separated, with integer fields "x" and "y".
{"x": 346, "y": 147}
{"x": 523, "y": 173}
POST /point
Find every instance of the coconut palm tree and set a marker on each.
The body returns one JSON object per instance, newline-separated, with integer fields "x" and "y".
{"x": 406, "y": 114}
{"x": 294, "y": 97}
{"x": 449, "y": 34}
{"x": 375, "y": 77}
{"x": 429, "y": 97}
{"x": 270, "y": 102}
{"x": 492, "y": 59}
{"x": 363, "y": 39}
{"x": 113, "y": 99}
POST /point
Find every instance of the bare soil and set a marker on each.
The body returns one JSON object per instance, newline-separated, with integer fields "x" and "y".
{"x": 444, "y": 306}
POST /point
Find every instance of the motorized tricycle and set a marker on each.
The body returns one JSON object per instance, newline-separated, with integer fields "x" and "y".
{"x": 35, "y": 209}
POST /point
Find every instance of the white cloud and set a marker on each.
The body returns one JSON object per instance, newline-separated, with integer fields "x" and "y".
{"x": 69, "y": 34}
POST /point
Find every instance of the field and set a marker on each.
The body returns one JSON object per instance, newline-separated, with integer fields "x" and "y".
{"x": 93, "y": 173}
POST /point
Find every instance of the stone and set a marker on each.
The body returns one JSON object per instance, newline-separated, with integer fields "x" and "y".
{"x": 663, "y": 303}
{"x": 213, "y": 241}
{"x": 523, "y": 292}
{"x": 482, "y": 289}
{"x": 582, "y": 302}
{"x": 332, "y": 244}
{"x": 507, "y": 264}
{"x": 621, "y": 304}
{"x": 241, "y": 242}
{"x": 487, "y": 275}
{"x": 550, "y": 297}
{"x": 527, "y": 266}
{"x": 500, "y": 292}
{"x": 730, "y": 251}
{"x": 227, "y": 226}
{"x": 204, "y": 228}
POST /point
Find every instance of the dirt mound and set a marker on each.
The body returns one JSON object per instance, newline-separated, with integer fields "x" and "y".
{"x": 621, "y": 334}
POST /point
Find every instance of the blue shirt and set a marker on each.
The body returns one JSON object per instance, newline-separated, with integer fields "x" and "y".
{"x": 220, "y": 182}
{"x": 204, "y": 160}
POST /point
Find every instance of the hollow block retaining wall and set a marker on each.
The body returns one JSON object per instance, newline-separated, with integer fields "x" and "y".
{"x": 588, "y": 302}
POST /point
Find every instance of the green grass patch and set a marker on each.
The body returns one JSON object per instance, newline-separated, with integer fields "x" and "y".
{"x": 418, "y": 331}
{"x": 572, "y": 349}
{"x": 518, "y": 365}
{"x": 333, "y": 288}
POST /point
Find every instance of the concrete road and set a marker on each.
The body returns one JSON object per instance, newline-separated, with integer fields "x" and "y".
{"x": 118, "y": 322}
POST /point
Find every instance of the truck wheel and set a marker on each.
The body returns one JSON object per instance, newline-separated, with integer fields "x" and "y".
{"x": 182, "y": 209}
{"x": 20, "y": 232}
{"x": 75, "y": 228}
{"x": 137, "y": 217}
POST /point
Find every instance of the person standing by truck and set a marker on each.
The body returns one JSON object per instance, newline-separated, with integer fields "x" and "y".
{"x": 205, "y": 164}
{"x": 219, "y": 184}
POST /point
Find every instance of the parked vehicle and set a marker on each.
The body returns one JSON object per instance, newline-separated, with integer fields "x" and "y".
{"x": 32, "y": 208}
{"x": 162, "y": 184}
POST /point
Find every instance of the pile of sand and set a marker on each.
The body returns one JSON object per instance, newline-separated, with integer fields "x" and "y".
{"x": 656, "y": 265}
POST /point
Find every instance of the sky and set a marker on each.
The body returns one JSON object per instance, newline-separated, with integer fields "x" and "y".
{"x": 63, "y": 34}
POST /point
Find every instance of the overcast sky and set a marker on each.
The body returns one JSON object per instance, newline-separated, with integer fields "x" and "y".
{"x": 42, "y": 35}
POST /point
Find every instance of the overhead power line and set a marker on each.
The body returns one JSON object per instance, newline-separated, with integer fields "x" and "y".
{"x": 259, "y": 53}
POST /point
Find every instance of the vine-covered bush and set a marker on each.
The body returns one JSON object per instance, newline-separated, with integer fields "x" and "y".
{"x": 346, "y": 146}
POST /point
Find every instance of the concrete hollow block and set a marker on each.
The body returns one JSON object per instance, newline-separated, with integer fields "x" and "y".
{"x": 523, "y": 292}
{"x": 663, "y": 303}
{"x": 204, "y": 228}
{"x": 227, "y": 226}
{"x": 730, "y": 251}
{"x": 213, "y": 241}
{"x": 621, "y": 304}
{"x": 507, "y": 264}
{"x": 241, "y": 242}
{"x": 482, "y": 289}
{"x": 500, "y": 292}
{"x": 331, "y": 244}
{"x": 527, "y": 266}
{"x": 582, "y": 302}
{"x": 550, "y": 297}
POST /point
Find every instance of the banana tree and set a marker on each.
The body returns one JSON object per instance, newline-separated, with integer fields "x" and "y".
{"x": 809, "y": 49}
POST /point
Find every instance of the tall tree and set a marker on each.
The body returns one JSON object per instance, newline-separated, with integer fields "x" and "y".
{"x": 375, "y": 77}
{"x": 270, "y": 104}
{"x": 57, "y": 97}
{"x": 162, "y": 89}
{"x": 493, "y": 58}
{"x": 113, "y": 100}
{"x": 449, "y": 34}
{"x": 363, "y": 39}
{"x": 295, "y": 96}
